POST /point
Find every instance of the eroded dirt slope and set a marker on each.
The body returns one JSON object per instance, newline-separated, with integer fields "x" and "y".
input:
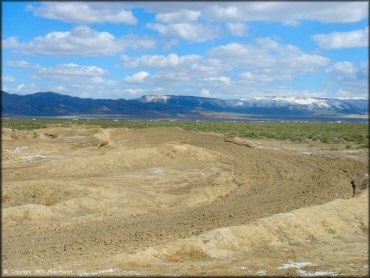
{"x": 75, "y": 195}
{"x": 324, "y": 240}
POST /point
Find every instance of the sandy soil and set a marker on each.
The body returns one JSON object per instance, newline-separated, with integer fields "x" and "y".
{"x": 91, "y": 201}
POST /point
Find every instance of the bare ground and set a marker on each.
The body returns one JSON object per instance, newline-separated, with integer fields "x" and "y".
{"x": 86, "y": 200}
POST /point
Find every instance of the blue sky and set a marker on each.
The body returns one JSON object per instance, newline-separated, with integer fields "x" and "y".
{"x": 214, "y": 49}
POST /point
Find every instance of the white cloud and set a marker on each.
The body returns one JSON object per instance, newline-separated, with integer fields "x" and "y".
{"x": 188, "y": 31}
{"x": 85, "y": 88}
{"x": 168, "y": 78}
{"x": 179, "y": 16}
{"x": 82, "y": 40}
{"x": 98, "y": 80}
{"x": 336, "y": 40}
{"x": 11, "y": 42}
{"x": 74, "y": 76}
{"x": 223, "y": 79}
{"x": 206, "y": 93}
{"x": 134, "y": 91}
{"x": 173, "y": 64}
{"x": 59, "y": 89}
{"x": 269, "y": 57}
{"x": 83, "y": 13}
{"x": 138, "y": 77}
{"x": 8, "y": 78}
{"x": 19, "y": 64}
{"x": 20, "y": 87}
{"x": 173, "y": 70}
{"x": 288, "y": 12}
{"x": 237, "y": 29}
{"x": 265, "y": 76}
{"x": 71, "y": 69}
{"x": 262, "y": 61}
{"x": 343, "y": 68}
{"x": 159, "y": 61}
{"x": 23, "y": 89}
{"x": 348, "y": 77}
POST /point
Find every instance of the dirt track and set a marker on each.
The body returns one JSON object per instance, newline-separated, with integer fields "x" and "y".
{"x": 82, "y": 197}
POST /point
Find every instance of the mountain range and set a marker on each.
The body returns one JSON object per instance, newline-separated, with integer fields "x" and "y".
{"x": 49, "y": 104}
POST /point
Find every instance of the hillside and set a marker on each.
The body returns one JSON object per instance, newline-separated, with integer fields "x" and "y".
{"x": 184, "y": 107}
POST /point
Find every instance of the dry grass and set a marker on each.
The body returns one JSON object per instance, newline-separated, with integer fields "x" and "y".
{"x": 185, "y": 141}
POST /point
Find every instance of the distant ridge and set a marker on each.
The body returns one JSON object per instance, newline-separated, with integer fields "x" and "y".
{"x": 49, "y": 104}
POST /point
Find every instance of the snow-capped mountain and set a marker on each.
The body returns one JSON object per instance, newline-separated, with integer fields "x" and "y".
{"x": 307, "y": 103}
{"x": 355, "y": 105}
{"x": 162, "y": 99}
{"x": 186, "y": 107}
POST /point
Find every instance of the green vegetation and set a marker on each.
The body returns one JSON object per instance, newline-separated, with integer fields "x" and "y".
{"x": 348, "y": 133}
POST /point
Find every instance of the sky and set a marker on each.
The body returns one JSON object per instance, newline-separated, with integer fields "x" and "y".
{"x": 212, "y": 49}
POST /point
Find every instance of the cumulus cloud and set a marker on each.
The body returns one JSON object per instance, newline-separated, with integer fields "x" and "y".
{"x": 134, "y": 91}
{"x": 168, "y": 79}
{"x": 71, "y": 69}
{"x": 288, "y": 12}
{"x": 178, "y": 16}
{"x": 11, "y": 42}
{"x": 82, "y": 40}
{"x": 192, "y": 64}
{"x": 196, "y": 32}
{"x": 23, "y": 89}
{"x": 83, "y": 13}
{"x": 343, "y": 68}
{"x": 226, "y": 68}
{"x": 265, "y": 76}
{"x": 262, "y": 61}
{"x": 19, "y": 64}
{"x": 237, "y": 29}
{"x": 70, "y": 72}
{"x": 269, "y": 58}
{"x": 336, "y": 40}
{"x": 348, "y": 77}
{"x": 88, "y": 79}
{"x": 159, "y": 61}
{"x": 206, "y": 93}
{"x": 172, "y": 70}
{"x": 138, "y": 77}
{"x": 223, "y": 79}
{"x": 8, "y": 78}
{"x": 59, "y": 89}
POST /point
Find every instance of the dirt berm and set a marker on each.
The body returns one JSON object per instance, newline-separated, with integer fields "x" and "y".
{"x": 89, "y": 200}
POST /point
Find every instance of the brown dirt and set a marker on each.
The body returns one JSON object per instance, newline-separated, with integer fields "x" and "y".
{"x": 72, "y": 203}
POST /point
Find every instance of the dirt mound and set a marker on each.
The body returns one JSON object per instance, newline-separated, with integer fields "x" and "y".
{"x": 185, "y": 151}
{"x": 27, "y": 213}
{"x": 240, "y": 141}
{"x": 180, "y": 197}
{"x": 341, "y": 223}
{"x": 10, "y": 134}
{"x": 40, "y": 192}
{"x": 6, "y": 133}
